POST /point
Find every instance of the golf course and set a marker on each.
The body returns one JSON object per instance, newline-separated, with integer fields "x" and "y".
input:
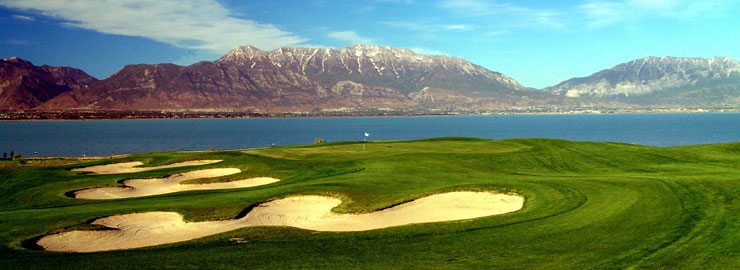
{"x": 443, "y": 203}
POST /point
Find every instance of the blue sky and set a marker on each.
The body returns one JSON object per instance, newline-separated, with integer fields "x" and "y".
{"x": 538, "y": 43}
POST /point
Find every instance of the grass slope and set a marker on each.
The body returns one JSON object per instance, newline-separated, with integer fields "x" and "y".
{"x": 588, "y": 205}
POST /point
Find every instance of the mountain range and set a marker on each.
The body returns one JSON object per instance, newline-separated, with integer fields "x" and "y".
{"x": 661, "y": 81}
{"x": 25, "y": 86}
{"x": 305, "y": 79}
{"x": 358, "y": 77}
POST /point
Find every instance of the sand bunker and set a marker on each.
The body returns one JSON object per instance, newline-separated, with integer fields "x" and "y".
{"x": 170, "y": 184}
{"x": 130, "y": 167}
{"x": 306, "y": 212}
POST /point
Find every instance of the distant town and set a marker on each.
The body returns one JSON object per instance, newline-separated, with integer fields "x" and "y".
{"x": 8, "y": 115}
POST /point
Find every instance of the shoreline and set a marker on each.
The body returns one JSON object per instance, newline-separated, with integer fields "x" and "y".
{"x": 81, "y": 159}
{"x": 39, "y": 138}
{"x": 148, "y": 115}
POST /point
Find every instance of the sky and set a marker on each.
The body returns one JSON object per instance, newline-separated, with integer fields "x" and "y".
{"x": 538, "y": 43}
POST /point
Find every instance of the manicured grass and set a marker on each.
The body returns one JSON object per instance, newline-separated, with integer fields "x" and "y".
{"x": 588, "y": 205}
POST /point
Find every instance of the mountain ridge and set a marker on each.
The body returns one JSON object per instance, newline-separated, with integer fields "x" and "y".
{"x": 667, "y": 80}
{"x": 360, "y": 77}
{"x": 24, "y": 85}
{"x": 304, "y": 79}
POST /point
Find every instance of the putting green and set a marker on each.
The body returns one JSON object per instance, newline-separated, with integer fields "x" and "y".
{"x": 586, "y": 205}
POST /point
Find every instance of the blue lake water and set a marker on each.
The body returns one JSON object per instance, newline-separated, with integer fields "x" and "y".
{"x": 108, "y": 137}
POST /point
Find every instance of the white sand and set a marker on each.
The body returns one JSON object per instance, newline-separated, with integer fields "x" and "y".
{"x": 314, "y": 212}
{"x": 306, "y": 212}
{"x": 170, "y": 184}
{"x": 130, "y": 167}
{"x": 135, "y": 230}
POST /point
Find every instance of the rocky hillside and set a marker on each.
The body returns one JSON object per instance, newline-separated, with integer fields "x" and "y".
{"x": 301, "y": 79}
{"x": 661, "y": 81}
{"x": 397, "y": 68}
{"x": 24, "y": 86}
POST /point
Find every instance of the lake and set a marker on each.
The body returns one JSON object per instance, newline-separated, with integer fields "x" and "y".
{"x": 108, "y": 137}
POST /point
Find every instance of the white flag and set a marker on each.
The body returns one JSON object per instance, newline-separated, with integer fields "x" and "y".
{"x": 367, "y": 134}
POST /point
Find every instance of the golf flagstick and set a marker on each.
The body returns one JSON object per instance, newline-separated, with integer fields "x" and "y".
{"x": 364, "y": 139}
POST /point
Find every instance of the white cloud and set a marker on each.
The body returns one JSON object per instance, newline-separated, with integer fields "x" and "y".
{"x": 395, "y": 1}
{"x": 427, "y": 51}
{"x": 350, "y": 37}
{"x": 428, "y": 30}
{"x": 593, "y": 13}
{"x": 457, "y": 27}
{"x": 476, "y": 7}
{"x": 495, "y": 33}
{"x": 408, "y": 25}
{"x": 190, "y": 24}
{"x": 601, "y": 13}
{"x": 427, "y": 27}
{"x": 510, "y": 14}
{"x": 23, "y": 18}
{"x": 656, "y": 4}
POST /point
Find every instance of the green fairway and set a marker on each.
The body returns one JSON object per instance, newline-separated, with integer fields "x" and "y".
{"x": 587, "y": 205}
